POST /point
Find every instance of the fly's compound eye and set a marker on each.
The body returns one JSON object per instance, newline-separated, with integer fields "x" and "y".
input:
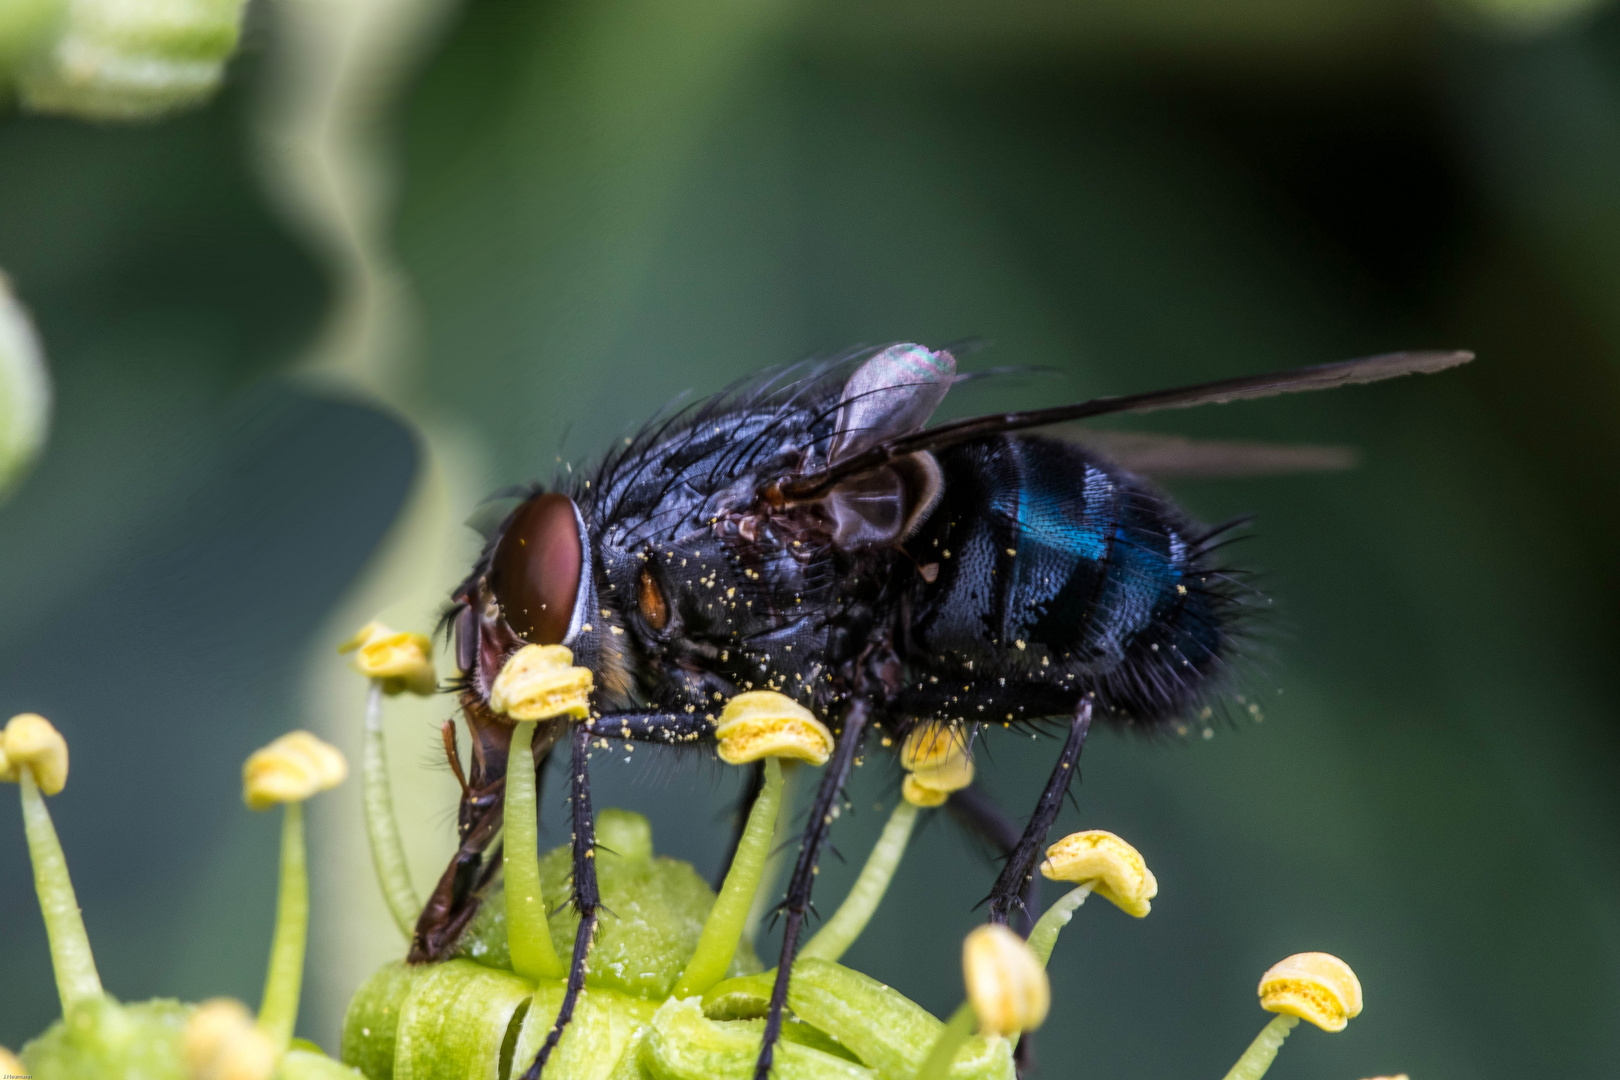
{"x": 650, "y": 599}
{"x": 537, "y": 574}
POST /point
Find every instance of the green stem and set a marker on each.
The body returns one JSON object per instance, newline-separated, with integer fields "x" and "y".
{"x": 76, "y": 978}
{"x": 278, "y": 1010}
{"x": 387, "y": 852}
{"x": 840, "y": 931}
{"x": 777, "y": 859}
{"x": 528, "y": 935}
{"x": 1045, "y": 934}
{"x": 937, "y": 1065}
{"x": 1260, "y": 1054}
{"x": 724, "y": 927}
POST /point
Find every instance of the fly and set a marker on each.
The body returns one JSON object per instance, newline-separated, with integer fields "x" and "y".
{"x": 808, "y": 532}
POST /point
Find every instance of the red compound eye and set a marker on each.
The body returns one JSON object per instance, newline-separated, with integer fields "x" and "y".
{"x": 535, "y": 573}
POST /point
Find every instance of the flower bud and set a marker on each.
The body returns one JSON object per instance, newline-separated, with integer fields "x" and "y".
{"x": 937, "y": 763}
{"x": 30, "y": 742}
{"x": 291, "y": 769}
{"x": 1006, "y": 983}
{"x": 133, "y": 59}
{"x": 222, "y": 1042}
{"x": 763, "y": 723}
{"x": 1313, "y": 986}
{"x": 399, "y": 660}
{"x": 25, "y": 385}
{"x": 1122, "y": 877}
{"x": 540, "y": 682}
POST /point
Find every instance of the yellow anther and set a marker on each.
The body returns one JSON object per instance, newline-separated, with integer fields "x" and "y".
{"x": 763, "y": 723}
{"x": 1313, "y": 986}
{"x": 540, "y": 682}
{"x": 931, "y": 745}
{"x": 29, "y": 741}
{"x": 937, "y": 763}
{"x": 222, "y": 1043}
{"x": 918, "y": 794}
{"x": 291, "y": 769}
{"x": 1006, "y": 983}
{"x": 9, "y": 1064}
{"x": 401, "y": 661}
{"x": 1122, "y": 877}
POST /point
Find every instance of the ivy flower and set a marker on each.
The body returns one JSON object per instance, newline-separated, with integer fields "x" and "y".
{"x": 762, "y": 723}
{"x": 399, "y": 662}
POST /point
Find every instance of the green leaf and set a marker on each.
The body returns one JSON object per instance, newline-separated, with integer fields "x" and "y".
{"x": 455, "y": 1020}
{"x": 604, "y": 1024}
{"x": 653, "y": 913}
{"x": 101, "y": 1038}
{"x": 25, "y": 391}
{"x": 883, "y": 1028}
{"x": 372, "y": 1020}
{"x": 886, "y": 1030}
{"x": 300, "y": 1064}
{"x": 683, "y": 1044}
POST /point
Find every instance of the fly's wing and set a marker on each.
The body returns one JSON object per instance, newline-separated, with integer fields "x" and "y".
{"x": 890, "y": 395}
{"x": 1172, "y": 456}
{"x": 813, "y": 485}
{"x": 893, "y": 393}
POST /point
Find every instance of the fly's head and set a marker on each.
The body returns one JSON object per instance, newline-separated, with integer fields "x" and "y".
{"x": 536, "y": 584}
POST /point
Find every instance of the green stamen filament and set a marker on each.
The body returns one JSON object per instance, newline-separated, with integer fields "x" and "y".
{"x": 387, "y": 852}
{"x": 278, "y": 1011}
{"x": 75, "y": 967}
{"x": 528, "y": 935}
{"x": 1045, "y": 934}
{"x": 840, "y": 932}
{"x": 724, "y": 927}
{"x": 937, "y": 1065}
{"x": 1260, "y": 1054}
{"x": 777, "y": 861}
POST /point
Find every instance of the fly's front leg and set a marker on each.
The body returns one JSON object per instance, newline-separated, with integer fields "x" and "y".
{"x": 587, "y": 900}
{"x": 804, "y": 871}
{"x": 1019, "y": 873}
{"x": 661, "y": 728}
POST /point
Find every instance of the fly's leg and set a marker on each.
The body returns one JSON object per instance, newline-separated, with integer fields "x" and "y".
{"x": 454, "y": 900}
{"x": 986, "y": 819}
{"x": 745, "y": 806}
{"x": 587, "y": 901}
{"x": 804, "y": 871}
{"x": 1019, "y": 873}
{"x": 668, "y": 729}
{"x": 980, "y": 813}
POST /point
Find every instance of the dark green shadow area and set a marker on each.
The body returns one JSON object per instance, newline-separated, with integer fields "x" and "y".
{"x": 191, "y": 524}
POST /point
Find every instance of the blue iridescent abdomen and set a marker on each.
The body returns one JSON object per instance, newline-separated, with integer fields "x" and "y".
{"x": 1060, "y": 574}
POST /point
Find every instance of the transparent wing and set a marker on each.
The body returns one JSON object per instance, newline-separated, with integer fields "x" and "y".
{"x": 1173, "y": 456}
{"x": 1320, "y": 377}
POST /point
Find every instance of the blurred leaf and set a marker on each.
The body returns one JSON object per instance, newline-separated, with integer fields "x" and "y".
{"x": 25, "y": 391}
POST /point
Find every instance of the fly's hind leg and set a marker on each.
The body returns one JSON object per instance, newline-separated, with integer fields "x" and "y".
{"x": 804, "y": 871}
{"x": 587, "y": 900}
{"x": 982, "y": 816}
{"x": 1019, "y": 873}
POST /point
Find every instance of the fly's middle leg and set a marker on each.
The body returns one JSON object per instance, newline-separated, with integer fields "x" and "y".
{"x": 803, "y": 881}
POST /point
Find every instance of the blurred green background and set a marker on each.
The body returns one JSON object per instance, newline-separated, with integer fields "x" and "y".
{"x": 603, "y": 204}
